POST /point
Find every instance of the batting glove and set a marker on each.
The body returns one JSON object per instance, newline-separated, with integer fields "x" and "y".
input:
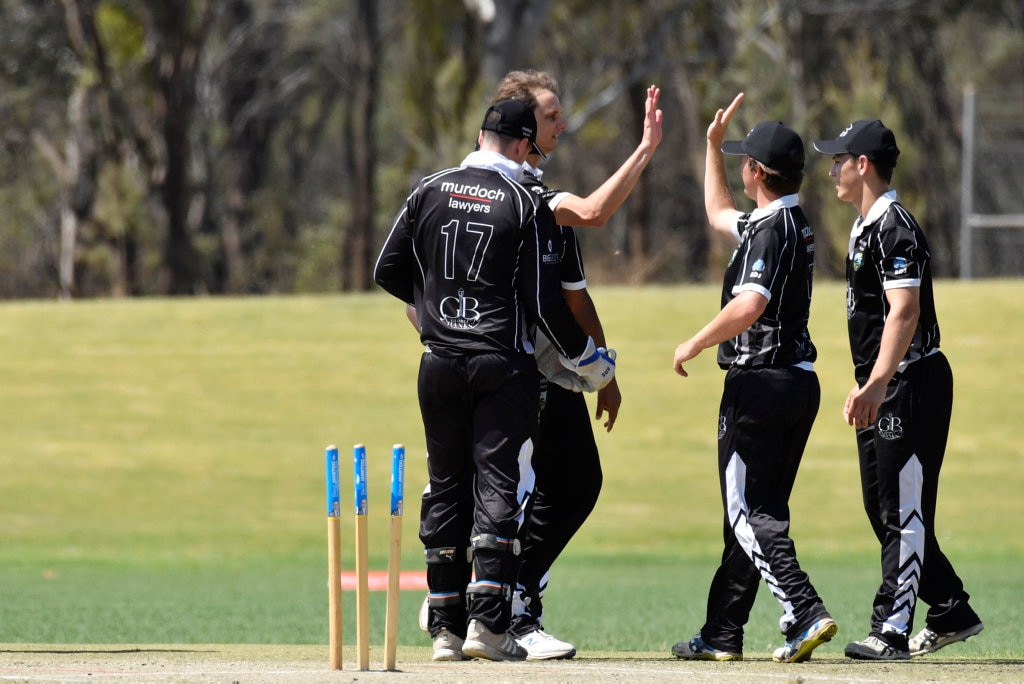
{"x": 550, "y": 366}
{"x": 595, "y": 366}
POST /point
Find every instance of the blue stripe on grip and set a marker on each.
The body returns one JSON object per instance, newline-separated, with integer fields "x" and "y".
{"x": 397, "y": 479}
{"x": 359, "y": 480}
{"x": 333, "y": 484}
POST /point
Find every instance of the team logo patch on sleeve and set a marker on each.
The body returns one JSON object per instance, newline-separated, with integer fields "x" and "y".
{"x": 757, "y": 269}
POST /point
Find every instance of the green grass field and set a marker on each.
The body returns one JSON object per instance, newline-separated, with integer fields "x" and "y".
{"x": 163, "y": 479}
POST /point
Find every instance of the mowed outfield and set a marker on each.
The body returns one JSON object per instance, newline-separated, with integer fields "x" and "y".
{"x": 162, "y": 490}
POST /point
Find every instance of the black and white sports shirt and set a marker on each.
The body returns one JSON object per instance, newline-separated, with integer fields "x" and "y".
{"x": 775, "y": 258}
{"x": 478, "y": 258}
{"x": 570, "y": 258}
{"x": 887, "y": 250}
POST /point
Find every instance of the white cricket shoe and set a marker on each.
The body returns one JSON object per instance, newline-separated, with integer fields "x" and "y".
{"x": 448, "y": 646}
{"x": 540, "y": 645}
{"x": 873, "y": 648}
{"x": 928, "y": 640}
{"x": 483, "y": 643}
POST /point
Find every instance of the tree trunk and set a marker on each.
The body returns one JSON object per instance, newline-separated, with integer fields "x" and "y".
{"x": 638, "y": 210}
{"x": 176, "y": 62}
{"x": 358, "y": 256}
{"x": 179, "y": 252}
{"x": 931, "y": 124}
{"x": 510, "y": 33}
{"x": 69, "y": 181}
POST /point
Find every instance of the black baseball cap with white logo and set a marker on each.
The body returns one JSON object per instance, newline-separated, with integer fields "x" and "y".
{"x": 868, "y": 137}
{"x": 512, "y": 118}
{"x": 774, "y": 145}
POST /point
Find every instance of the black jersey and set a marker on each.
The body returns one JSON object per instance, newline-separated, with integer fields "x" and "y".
{"x": 479, "y": 260}
{"x": 775, "y": 258}
{"x": 570, "y": 258}
{"x": 887, "y": 250}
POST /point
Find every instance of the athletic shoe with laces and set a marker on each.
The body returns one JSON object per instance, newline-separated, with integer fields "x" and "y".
{"x": 540, "y": 645}
{"x": 799, "y": 649}
{"x": 696, "y": 649}
{"x": 874, "y": 648}
{"x": 928, "y": 640}
{"x": 483, "y": 643}
{"x": 448, "y": 646}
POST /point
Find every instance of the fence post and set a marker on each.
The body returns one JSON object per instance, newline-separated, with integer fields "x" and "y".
{"x": 967, "y": 183}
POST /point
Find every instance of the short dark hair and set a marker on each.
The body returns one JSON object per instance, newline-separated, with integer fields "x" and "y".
{"x": 884, "y": 171}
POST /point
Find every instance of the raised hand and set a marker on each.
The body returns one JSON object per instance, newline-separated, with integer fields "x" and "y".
{"x": 720, "y": 124}
{"x": 652, "y": 117}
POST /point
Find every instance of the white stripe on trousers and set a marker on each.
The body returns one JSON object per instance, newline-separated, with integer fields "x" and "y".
{"x": 911, "y": 548}
{"x": 736, "y": 500}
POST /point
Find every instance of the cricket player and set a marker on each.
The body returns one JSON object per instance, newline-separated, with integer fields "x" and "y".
{"x": 901, "y": 403}
{"x": 771, "y": 393}
{"x": 566, "y": 458}
{"x": 475, "y": 255}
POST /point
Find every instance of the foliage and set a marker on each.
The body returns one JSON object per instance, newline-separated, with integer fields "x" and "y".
{"x": 231, "y": 135}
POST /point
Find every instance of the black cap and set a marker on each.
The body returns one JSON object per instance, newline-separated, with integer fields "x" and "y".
{"x": 868, "y": 137}
{"x": 774, "y": 145}
{"x": 512, "y": 118}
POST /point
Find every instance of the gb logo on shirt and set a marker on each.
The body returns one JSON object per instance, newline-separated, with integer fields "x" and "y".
{"x": 460, "y": 312}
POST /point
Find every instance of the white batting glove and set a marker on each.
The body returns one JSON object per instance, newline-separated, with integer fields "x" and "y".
{"x": 550, "y": 366}
{"x": 595, "y": 366}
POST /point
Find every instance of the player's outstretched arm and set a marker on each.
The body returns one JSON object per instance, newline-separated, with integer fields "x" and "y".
{"x": 735, "y": 317}
{"x": 596, "y": 208}
{"x": 718, "y": 200}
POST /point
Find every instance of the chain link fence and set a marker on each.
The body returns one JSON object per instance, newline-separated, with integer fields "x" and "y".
{"x": 992, "y": 184}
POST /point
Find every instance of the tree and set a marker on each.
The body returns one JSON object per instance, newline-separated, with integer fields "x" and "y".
{"x": 251, "y": 146}
{"x": 178, "y": 30}
{"x": 358, "y": 252}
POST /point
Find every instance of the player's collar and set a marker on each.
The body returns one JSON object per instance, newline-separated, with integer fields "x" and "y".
{"x": 880, "y": 206}
{"x": 534, "y": 171}
{"x": 485, "y": 159}
{"x": 784, "y": 202}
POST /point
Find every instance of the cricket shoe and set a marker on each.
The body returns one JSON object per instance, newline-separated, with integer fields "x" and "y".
{"x": 447, "y": 646}
{"x": 696, "y": 649}
{"x": 540, "y": 645}
{"x": 483, "y": 643}
{"x": 928, "y": 640}
{"x": 799, "y": 649}
{"x": 874, "y": 648}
